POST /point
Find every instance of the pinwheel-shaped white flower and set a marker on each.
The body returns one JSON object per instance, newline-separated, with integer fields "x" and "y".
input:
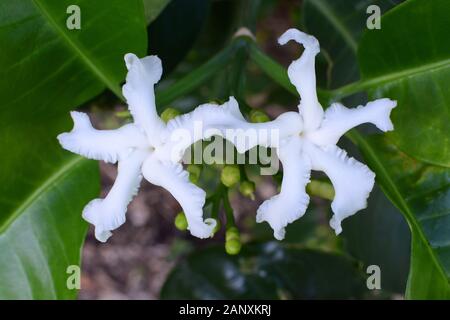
{"x": 314, "y": 148}
{"x": 150, "y": 148}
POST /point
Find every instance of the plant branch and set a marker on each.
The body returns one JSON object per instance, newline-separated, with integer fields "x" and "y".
{"x": 195, "y": 78}
{"x": 228, "y": 209}
{"x": 277, "y": 72}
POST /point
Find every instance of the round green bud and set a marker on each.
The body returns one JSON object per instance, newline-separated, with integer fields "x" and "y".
{"x": 181, "y": 221}
{"x": 169, "y": 114}
{"x": 233, "y": 246}
{"x": 230, "y": 175}
{"x": 258, "y": 116}
{"x": 232, "y": 233}
{"x": 247, "y": 188}
{"x": 194, "y": 172}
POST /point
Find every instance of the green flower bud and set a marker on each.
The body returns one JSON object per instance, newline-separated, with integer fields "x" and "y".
{"x": 230, "y": 175}
{"x": 181, "y": 221}
{"x": 247, "y": 188}
{"x": 258, "y": 116}
{"x": 194, "y": 172}
{"x": 322, "y": 189}
{"x": 233, "y": 246}
{"x": 169, "y": 114}
{"x": 232, "y": 233}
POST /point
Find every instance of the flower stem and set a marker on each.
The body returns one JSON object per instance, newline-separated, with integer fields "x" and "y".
{"x": 228, "y": 209}
{"x": 195, "y": 78}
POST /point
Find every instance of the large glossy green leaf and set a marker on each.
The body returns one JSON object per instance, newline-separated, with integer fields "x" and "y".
{"x": 175, "y": 30}
{"x": 422, "y": 192}
{"x": 264, "y": 271}
{"x": 153, "y": 8}
{"x": 379, "y": 235}
{"x": 409, "y": 60}
{"x": 42, "y": 193}
{"x": 47, "y": 68}
{"x": 338, "y": 24}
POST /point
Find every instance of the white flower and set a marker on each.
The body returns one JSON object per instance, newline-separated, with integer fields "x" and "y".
{"x": 152, "y": 149}
{"x": 314, "y": 148}
{"x": 142, "y": 148}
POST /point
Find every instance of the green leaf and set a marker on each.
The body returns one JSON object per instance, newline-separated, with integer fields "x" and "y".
{"x": 264, "y": 271}
{"x": 42, "y": 195}
{"x": 174, "y": 32}
{"x": 409, "y": 60}
{"x": 153, "y": 8}
{"x": 379, "y": 235}
{"x": 422, "y": 192}
{"x": 412, "y": 166}
{"x": 47, "y": 68}
{"x": 338, "y": 25}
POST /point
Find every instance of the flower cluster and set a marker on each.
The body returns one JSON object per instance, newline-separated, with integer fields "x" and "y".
{"x": 153, "y": 149}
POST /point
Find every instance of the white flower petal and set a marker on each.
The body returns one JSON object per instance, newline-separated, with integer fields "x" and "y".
{"x": 174, "y": 179}
{"x": 139, "y": 92}
{"x": 109, "y": 213}
{"x": 302, "y": 74}
{"x": 339, "y": 119}
{"x": 284, "y": 126}
{"x": 226, "y": 121}
{"x": 106, "y": 145}
{"x": 352, "y": 180}
{"x": 291, "y": 203}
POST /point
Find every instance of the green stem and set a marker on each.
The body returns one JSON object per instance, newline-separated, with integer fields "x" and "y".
{"x": 195, "y": 78}
{"x": 215, "y": 200}
{"x": 209, "y": 200}
{"x": 348, "y": 90}
{"x": 215, "y": 208}
{"x": 277, "y": 72}
{"x": 243, "y": 172}
{"x": 228, "y": 209}
{"x": 247, "y": 12}
{"x": 236, "y": 72}
{"x": 272, "y": 68}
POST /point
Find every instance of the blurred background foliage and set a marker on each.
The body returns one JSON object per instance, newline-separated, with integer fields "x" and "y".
{"x": 204, "y": 61}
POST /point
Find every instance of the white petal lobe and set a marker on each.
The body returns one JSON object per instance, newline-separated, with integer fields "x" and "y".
{"x": 291, "y": 203}
{"x": 352, "y": 181}
{"x": 109, "y": 213}
{"x": 339, "y": 119}
{"x": 139, "y": 92}
{"x": 106, "y": 145}
{"x": 226, "y": 121}
{"x": 174, "y": 179}
{"x": 302, "y": 74}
